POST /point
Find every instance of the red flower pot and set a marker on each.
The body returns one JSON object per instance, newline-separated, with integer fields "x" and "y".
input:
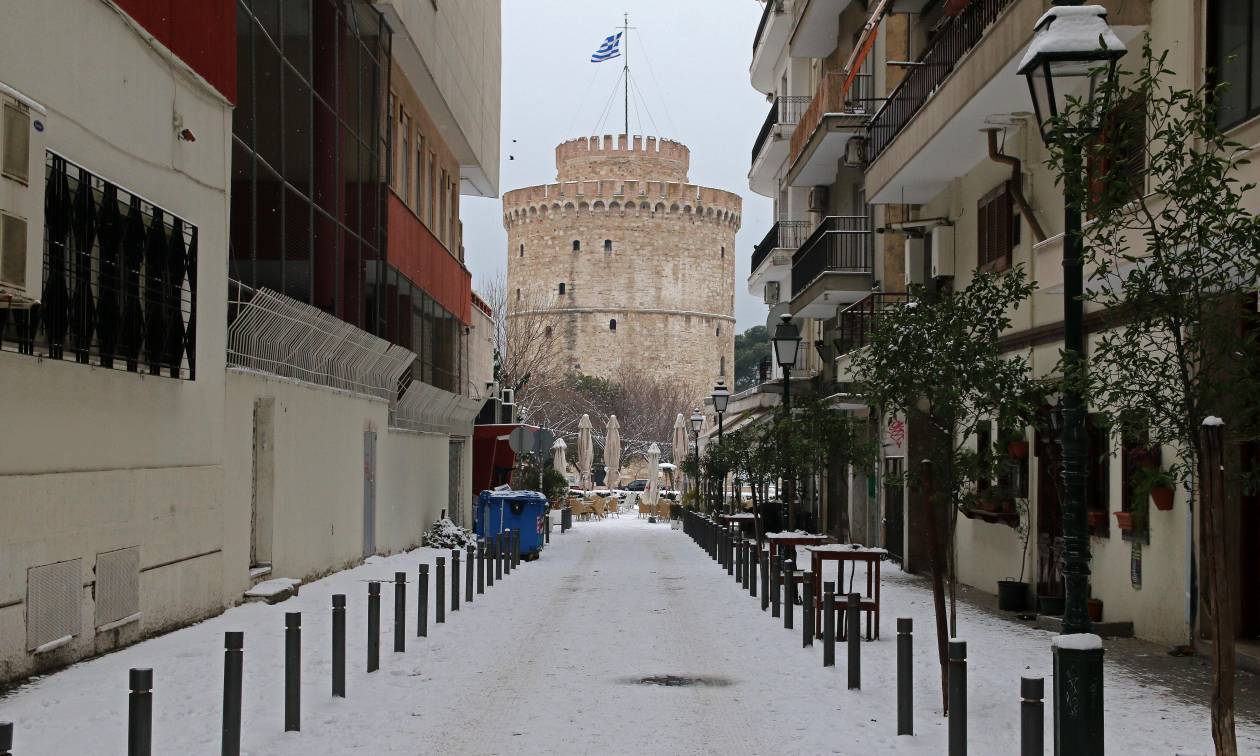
{"x": 1124, "y": 520}
{"x": 1017, "y": 449}
{"x": 1096, "y": 518}
{"x": 1163, "y": 497}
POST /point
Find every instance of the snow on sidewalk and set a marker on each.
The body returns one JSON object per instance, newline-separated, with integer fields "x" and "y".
{"x": 551, "y": 659}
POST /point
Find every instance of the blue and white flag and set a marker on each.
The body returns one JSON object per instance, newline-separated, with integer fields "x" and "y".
{"x": 609, "y": 50}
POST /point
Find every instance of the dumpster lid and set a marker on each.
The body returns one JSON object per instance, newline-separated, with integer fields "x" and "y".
{"x": 511, "y": 495}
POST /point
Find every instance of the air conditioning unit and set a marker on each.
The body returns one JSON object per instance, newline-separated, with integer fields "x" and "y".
{"x": 771, "y": 293}
{"x": 943, "y": 251}
{"x": 508, "y": 396}
{"x": 914, "y": 261}
{"x": 22, "y": 124}
{"x": 819, "y": 198}
{"x": 855, "y": 153}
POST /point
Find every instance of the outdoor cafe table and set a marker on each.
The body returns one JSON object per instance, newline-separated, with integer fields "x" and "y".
{"x": 743, "y": 519}
{"x": 842, "y": 553}
{"x": 792, "y": 538}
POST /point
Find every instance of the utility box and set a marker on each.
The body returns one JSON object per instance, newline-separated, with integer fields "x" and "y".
{"x": 523, "y": 511}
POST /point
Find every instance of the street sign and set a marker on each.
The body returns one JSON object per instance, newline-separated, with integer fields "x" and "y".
{"x": 545, "y": 441}
{"x": 522, "y": 440}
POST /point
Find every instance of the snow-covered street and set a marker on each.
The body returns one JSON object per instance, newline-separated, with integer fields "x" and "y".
{"x": 551, "y": 660}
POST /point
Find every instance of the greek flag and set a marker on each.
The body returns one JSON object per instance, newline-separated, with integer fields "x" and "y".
{"x": 609, "y": 50}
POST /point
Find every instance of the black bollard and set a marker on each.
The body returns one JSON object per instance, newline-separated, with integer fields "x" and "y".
{"x": 439, "y": 593}
{"x": 829, "y": 624}
{"x": 6, "y": 739}
{"x": 853, "y": 619}
{"x": 422, "y": 604}
{"x": 776, "y": 574}
{"x": 492, "y": 560}
{"x": 454, "y": 580}
{"x": 140, "y": 713}
{"x": 400, "y": 612}
{"x": 292, "y": 670}
{"x": 468, "y": 574}
{"x": 957, "y": 698}
{"x": 807, "y": 609}
{"x": 754, "y": 562}
{"x": 233, "y": 650}
{"x": 481, "y": 566}
{"x": 516, "y": 548}
{"x": 1032, "y": 716}
{"x": 501, "y": 567}
{"x": 789, "y": 594}
{"x": 905, "y": 676}
{"x": 730, "y": 554}
{"x": 339, "y": 645}
{"x": 374, "y": 627}
{"x": 764, "y": 561}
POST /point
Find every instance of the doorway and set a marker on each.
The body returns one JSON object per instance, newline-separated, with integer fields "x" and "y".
{"x": 1049, "y": 517}
{"x": 369, "y": 493}
{"x": 1249, "y": 544}
{"x": 262, "y": 483}
{"x": 894, "y": 509}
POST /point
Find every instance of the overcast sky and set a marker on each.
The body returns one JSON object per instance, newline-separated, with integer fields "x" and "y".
{"x": 699, "y": 51}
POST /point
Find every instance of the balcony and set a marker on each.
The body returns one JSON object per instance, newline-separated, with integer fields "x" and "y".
{"x": 927, "y": 132}
{"x": 838, "y": 113}
{"x": 771, "y": 147}
{"x": 858, "y": 321}
{"x": 818, "y": 29}
{"x": 769, "y": 43}
{"x": 833, "y": 267}
{"x": 772, "y": 258}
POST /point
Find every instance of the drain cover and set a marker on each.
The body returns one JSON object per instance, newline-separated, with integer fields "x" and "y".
{"x": 680, "y": 681}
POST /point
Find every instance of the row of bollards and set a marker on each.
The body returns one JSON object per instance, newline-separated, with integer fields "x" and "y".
{"x": 778, "y": 579}
{"x": 493, "y": 559}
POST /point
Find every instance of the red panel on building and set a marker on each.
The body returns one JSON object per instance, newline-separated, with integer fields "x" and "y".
{"x": 201, "y": 33}
{"x": 419, "y": 256}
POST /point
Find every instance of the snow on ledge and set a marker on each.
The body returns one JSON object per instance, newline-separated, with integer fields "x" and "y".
{"x": 52, "y": 645}
{"x": 1212, "y": 421}
{"x": 273, "y": 587}
{"x": 1078, "y": 642}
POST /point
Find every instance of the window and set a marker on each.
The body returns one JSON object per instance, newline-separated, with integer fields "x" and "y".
{"x": 522, "y": 252}
{"x": 404, "y": 140}
{"x": 444, "y": 226}
{"x": 561, "y": 288}
{"x": 1118, "y": 176}
{"x": 518, "y": 295}
{"x": 608, "y": 245}
{"x": 723, "y": 251}
{"x": 984, "y": 455}
{"x": 1098, "y": 484}
{"x": 389, "y": 146}
{"x": 719, "y": 330}
{"x": 419, "y": 198}
{"x": 547, "y": 331}
{"x": 1232, "y": 58}
{"x": 996, "y": 228}
{"x": 612, "y": 325}
{"x": 577, "y": 246}
{"x": 432, "y": 168}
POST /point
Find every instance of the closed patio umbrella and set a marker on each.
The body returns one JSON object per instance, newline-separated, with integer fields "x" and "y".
{"x": 557, "y": 455}
{"x": 680, "y": 449}
{"x": 652, "y": 492}
{"x": 586, "y": 451}
{"x": 612, "y": 452}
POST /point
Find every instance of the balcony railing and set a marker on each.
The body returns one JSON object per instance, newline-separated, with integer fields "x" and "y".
{"x": 772, "y": 7}
{"x": 840, "y": 244}
{"x": 785, "y": 111}
{"x": 858, "y": 320}
{"x": 783, "y": 235}
{"x": 935, "y": 65}
{"x": 834, "y": 97}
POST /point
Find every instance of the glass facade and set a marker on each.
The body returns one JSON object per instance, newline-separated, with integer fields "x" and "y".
{"x": 310, "y": 155}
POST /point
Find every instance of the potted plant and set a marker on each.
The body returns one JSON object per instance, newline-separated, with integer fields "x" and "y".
{"x": 1013, "y": 594}
{"x": 1124, "y": 520}
{"x": 1155, "y": 483}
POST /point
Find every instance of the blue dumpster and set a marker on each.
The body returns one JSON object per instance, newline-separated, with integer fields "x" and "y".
{"x": 523, "y": 511}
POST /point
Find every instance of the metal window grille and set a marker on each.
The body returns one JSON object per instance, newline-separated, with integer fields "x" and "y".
{"x": 120, "y": 280}
{"x": 117, "y": 585}
{"x": 272, "y": 333}
{"x": 52, "y": 602}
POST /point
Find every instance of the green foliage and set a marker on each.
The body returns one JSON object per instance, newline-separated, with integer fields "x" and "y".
{"x": 750, "y": 347}
{"x": 1178, "y": 265}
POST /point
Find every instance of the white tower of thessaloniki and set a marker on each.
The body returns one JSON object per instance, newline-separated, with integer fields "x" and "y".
{"x": 636, "y": 264}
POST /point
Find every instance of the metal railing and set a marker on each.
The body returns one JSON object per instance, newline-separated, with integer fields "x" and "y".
{"x": 858, "y": 320}
{"x": 840, "y": 244}
{"x": 935, "y": 65}
{"x": 785, "y": 111}
{"x": 782, "y": 235}
{"x": 833, "y": 96}
{"x": 772, "y": 6}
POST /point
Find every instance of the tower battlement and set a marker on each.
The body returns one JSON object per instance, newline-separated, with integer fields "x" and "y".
{"x": 609, "y": 156}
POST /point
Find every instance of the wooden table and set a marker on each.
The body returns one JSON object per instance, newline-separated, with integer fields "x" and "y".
{"x": 841, "y": 553}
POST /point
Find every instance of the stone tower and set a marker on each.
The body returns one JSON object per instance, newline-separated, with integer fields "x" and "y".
{"x": 637, "y": 265}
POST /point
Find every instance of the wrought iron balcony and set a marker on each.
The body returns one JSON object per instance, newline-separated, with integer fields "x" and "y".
{"x": 782, "y": 235}
{"x": 858, "y": 321}
{"x": 840, "y": 244}
{"x": 772, "y": 7}
{"x": 958, "y": 37}
{"x": 785, "y": 111}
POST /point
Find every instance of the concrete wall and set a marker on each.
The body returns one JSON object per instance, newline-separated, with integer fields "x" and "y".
{"x": 98, "y": 459}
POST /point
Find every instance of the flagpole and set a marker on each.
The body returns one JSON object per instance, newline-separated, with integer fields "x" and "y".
{"x": 625, "y": 70}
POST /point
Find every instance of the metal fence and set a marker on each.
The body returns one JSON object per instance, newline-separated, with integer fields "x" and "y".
{"x": 858, "y": 320}
{"x": 785, "y": 111}
{"x": 841, "y": 244}
{"x": 782, "y": 235}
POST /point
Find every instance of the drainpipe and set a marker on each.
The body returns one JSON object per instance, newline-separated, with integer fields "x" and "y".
{"x": 1017, "y": 187}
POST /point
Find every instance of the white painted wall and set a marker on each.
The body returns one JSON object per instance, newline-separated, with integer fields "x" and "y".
{"x": 95, "y": 459}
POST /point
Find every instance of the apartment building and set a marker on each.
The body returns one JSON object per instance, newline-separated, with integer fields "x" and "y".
{"x": 949, "y": 167}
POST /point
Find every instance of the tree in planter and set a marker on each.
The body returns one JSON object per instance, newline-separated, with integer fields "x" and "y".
{"x": 937, "y": 356}
{"x": 1178, "y": 267}
{"x": 754, "y": 453}
{"x": 819, "y": 435}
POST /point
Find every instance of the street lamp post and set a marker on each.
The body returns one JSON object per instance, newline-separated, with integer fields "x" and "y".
{"x": 697, "y": 420}
{"x": 787, "y": 345}
{"x": 721, "y": 398}
{"x": 1074, "y": 59}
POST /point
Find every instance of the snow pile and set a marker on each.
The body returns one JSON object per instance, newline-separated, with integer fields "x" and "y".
{"x": 445, "y": 534}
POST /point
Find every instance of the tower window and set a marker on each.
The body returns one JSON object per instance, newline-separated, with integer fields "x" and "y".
{"x": 577, "y": 246}
{"x": 719, "y": 330}
{"x": 522, "y": 252}
{"x": 518, "y": 295}
{"x": 612, "y": 324}
{"x": 561, "y": 288}
{"x": 608, "y": 245}
{"x": 547, "y": 333}
{"x": 723, "y": 251}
